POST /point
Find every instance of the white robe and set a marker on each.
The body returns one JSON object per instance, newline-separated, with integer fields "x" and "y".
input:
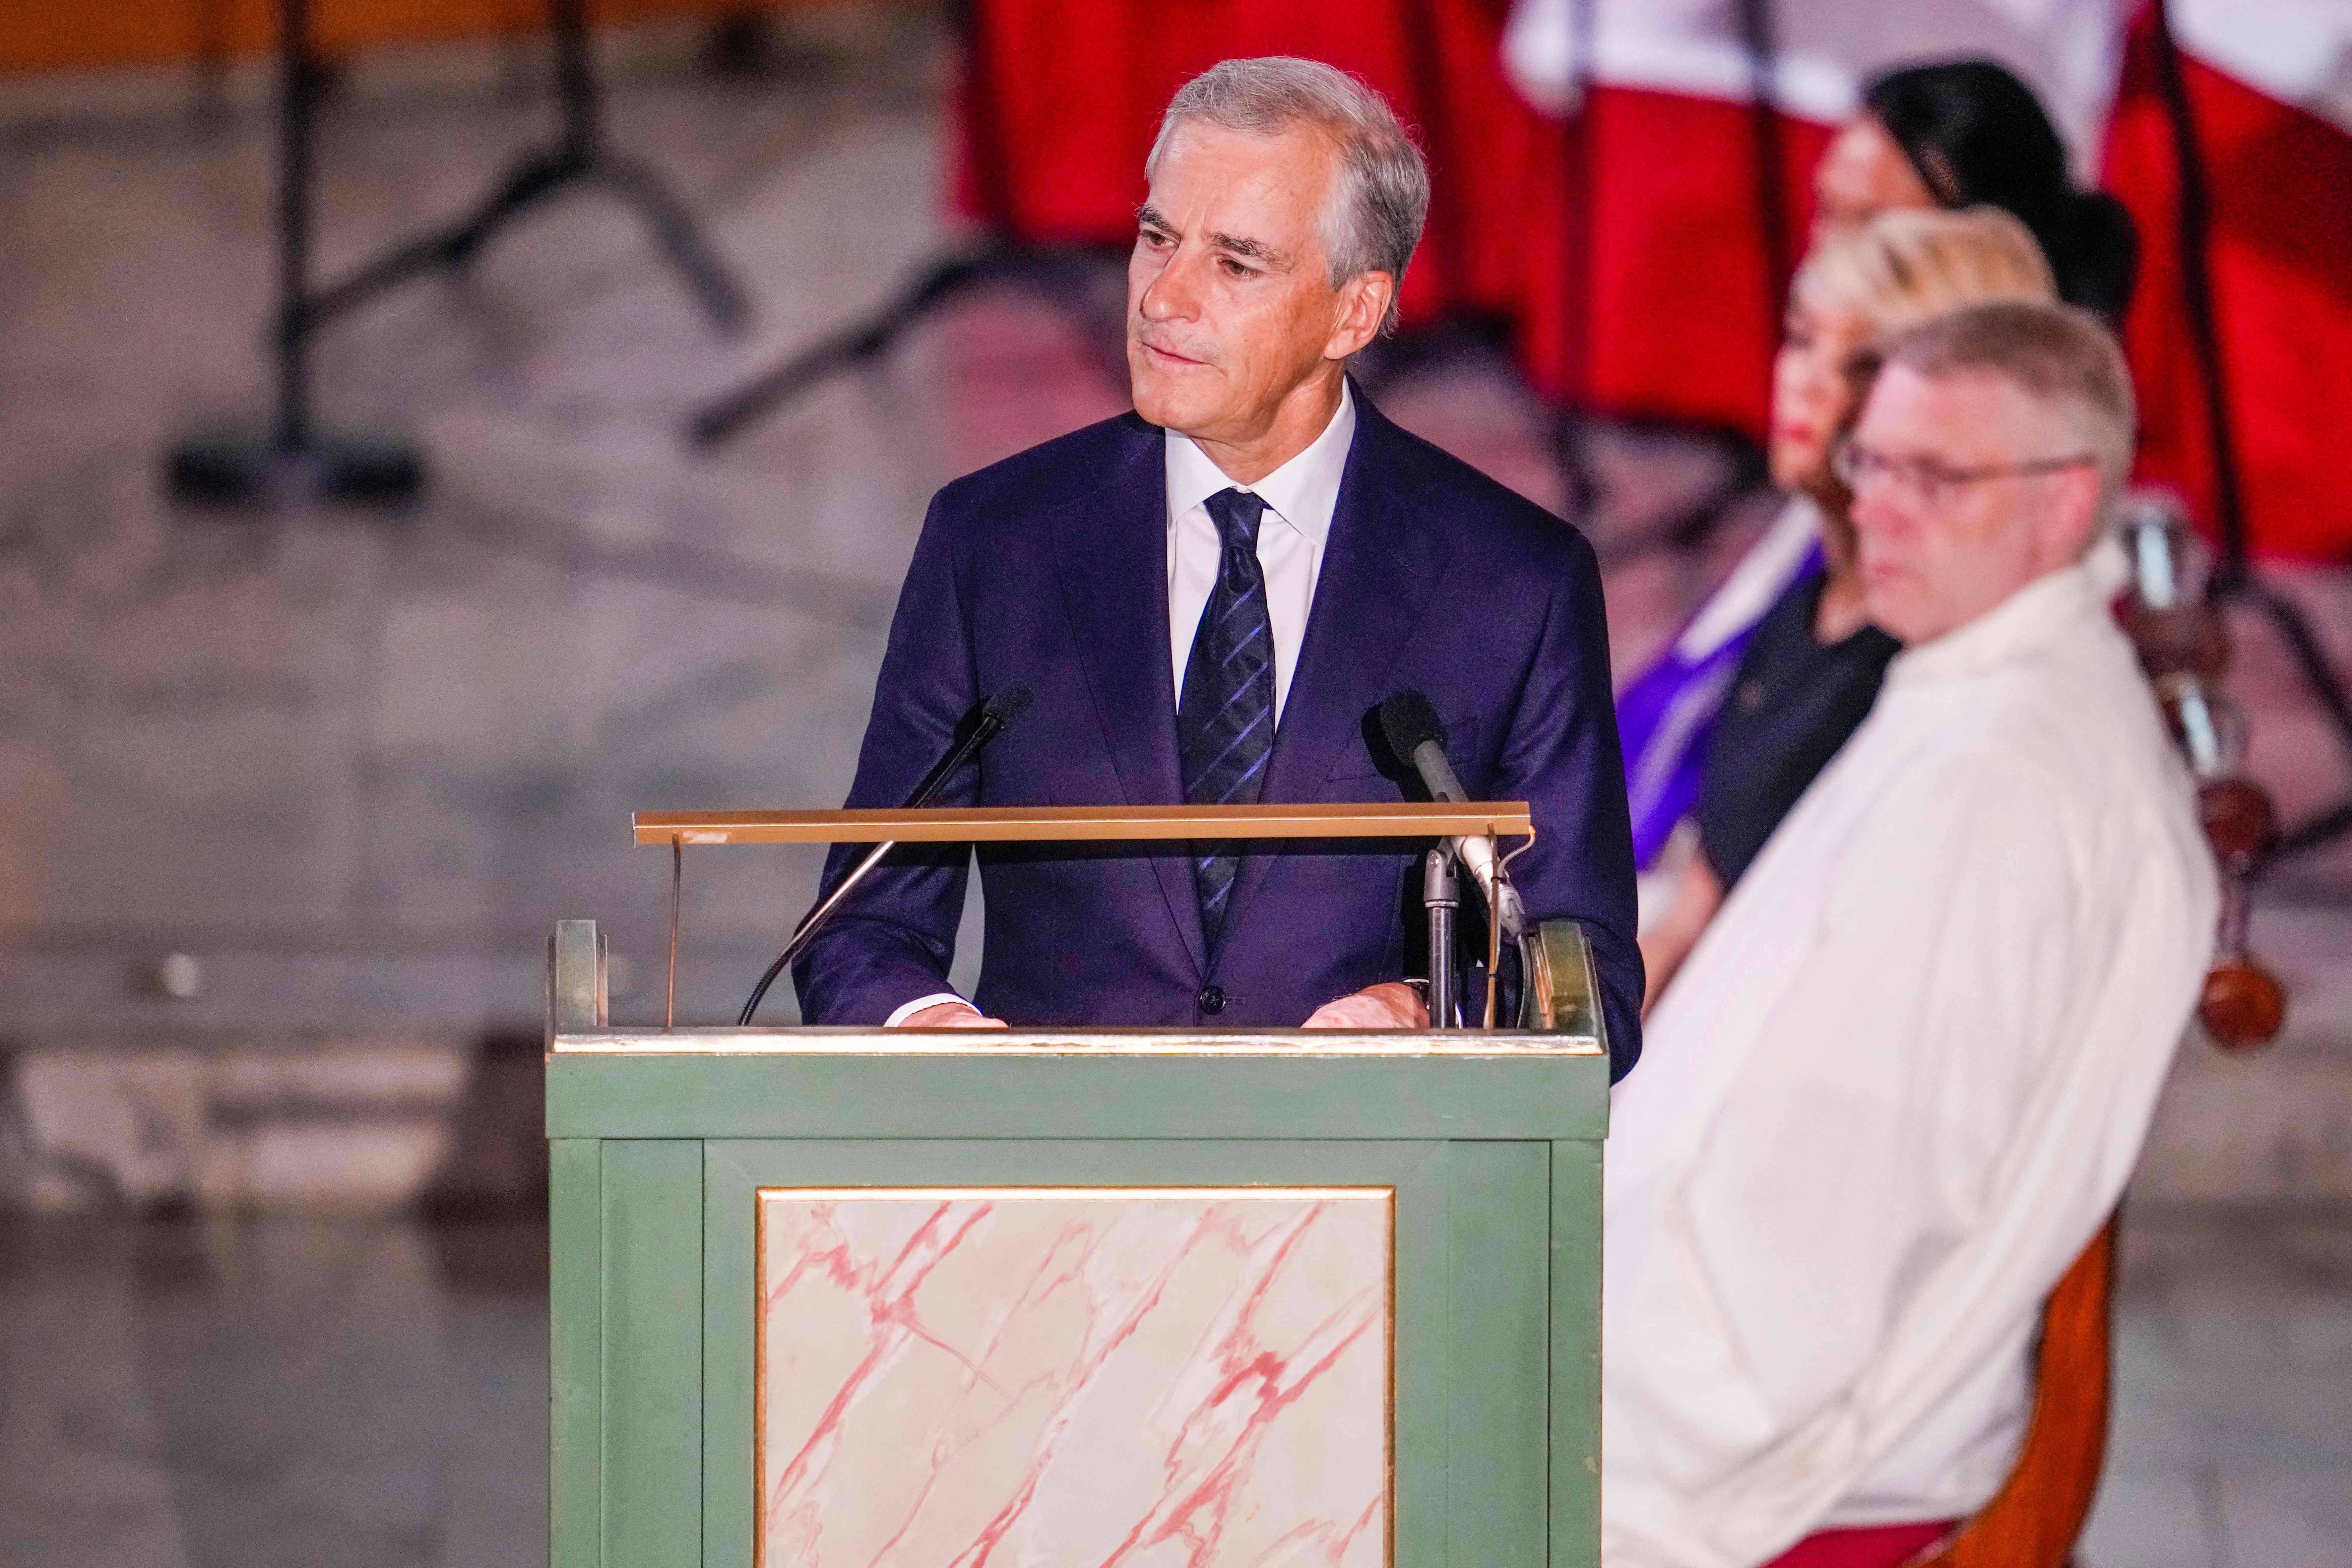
{"x": 1898, "y": 1084}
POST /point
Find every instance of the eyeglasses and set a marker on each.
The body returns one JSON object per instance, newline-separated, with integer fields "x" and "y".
{"x": 1925, "y": 481}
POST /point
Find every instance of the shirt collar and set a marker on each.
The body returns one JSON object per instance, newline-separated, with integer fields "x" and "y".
{"x": 2017, "y": 628}
{"x": 1303, "y": 492}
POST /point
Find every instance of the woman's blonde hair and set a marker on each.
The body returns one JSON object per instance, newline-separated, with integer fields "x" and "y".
{"x": 1908, "y": 265}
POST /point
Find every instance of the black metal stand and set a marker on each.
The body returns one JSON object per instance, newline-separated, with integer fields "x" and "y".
{"x": 1457, "y": 337}
{"x": 1745, "y": 469}
{"x": 293, "y": 459}
{"x": 1070, "y": 277}
{"x": 1441, "y": 895}
{"x": 2233, "y": 575}
{"x": 1759, "y": 36}
{"x": 579, "y": 156}
{"x": 1085, "y": 281}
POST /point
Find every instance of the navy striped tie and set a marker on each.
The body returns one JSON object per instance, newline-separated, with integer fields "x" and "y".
{"x": 1225, "y": 719}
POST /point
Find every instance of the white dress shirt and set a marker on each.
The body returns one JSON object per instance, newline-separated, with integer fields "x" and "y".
{"x": 1300, "y": 497}
{"x": 1898, "y": 1085}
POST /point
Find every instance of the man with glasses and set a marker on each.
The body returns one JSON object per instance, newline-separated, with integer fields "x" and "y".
{"x": 1902, "y": 1079}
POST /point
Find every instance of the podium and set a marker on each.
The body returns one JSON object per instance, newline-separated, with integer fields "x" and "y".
{"x": 824, "y": 1297}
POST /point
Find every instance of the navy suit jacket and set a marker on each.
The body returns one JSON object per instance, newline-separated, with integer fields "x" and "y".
{"x": 1051, "y": 568}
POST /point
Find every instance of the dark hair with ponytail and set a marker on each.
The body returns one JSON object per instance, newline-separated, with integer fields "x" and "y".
{"x": 1976, "y": 133}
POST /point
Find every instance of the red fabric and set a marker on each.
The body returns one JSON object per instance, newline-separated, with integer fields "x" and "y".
{"x": 1060, "y": 99}
{"x": 1628, "y": 246}
{"x": 1877, "y": 1546}
{"x": 1649, "y": 291}
{"x": 2282, "y": 261}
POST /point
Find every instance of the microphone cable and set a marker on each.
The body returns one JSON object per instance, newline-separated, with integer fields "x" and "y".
{"x": 993, "y": 716}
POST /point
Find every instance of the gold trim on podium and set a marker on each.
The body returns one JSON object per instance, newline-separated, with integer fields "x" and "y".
{"x": 837, "y": 1042}
{"x": 1066, "y": 1191}
{"x": 1087, "y": 824}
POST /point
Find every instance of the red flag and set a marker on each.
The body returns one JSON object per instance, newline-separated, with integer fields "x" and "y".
{"x": 2281, "y": 184}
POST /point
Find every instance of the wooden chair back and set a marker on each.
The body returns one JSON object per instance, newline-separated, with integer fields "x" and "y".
{"x": 2034, "y": 1520}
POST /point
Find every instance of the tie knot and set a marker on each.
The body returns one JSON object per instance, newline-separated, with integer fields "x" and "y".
{"x": 1237, "y": 514}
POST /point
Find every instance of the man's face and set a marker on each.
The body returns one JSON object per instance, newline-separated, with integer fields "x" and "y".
{"x": 1936, "y": 556}
{"x": 1230, "y": 305}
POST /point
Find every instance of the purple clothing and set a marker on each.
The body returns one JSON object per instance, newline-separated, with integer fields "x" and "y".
{"x": 1051, "y": 568}
{"x": 1665, "y": 718}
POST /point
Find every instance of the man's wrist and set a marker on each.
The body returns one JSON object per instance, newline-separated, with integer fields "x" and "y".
{"x": 907, "y": 1010}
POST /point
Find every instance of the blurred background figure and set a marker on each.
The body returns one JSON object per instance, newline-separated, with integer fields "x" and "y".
{"x": 1795, "y": 682}
{"x": 1926, "y": 137}
{"x": 682, "y": 308}
{"x": 1969, "y": 134}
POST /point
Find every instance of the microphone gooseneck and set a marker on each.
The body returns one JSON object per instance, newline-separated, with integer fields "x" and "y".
{"x": 995, "y": 715}
{"x": 1410, "y": 725}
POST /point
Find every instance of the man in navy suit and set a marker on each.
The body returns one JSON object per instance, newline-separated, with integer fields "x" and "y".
{"x": 1208, "y": 596}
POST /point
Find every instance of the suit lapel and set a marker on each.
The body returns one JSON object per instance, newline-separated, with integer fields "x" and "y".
{"x": 1111, "y": 557}
{"x": 1379, "y": 570}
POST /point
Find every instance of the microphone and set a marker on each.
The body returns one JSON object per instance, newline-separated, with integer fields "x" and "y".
{"x": 1410, "y": 725}
{"x": 994, "y": 715}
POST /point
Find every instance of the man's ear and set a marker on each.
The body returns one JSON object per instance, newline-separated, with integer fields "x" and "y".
{"x": 2077, "y": 501}
{"x": 1363, "y": 305}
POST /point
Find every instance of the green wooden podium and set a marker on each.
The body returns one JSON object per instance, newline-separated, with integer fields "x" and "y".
{"x": 936, "y": 1300}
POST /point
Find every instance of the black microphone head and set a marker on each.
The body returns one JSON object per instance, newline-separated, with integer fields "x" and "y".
{"x": 1409, "y": 721}
{"x": 1009, "y": 703}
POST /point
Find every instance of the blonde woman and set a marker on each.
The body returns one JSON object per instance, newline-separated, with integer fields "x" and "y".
{"x": 1806, "y": 676}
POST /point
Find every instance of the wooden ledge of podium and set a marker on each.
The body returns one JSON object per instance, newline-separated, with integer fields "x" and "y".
{"x": 832, "y": 1084}
{"x": 999, "y": 1044}
{"x": 1087, "y": 824}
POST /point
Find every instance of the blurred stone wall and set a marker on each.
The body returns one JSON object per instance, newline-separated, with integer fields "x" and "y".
{"x": 352, "y": 766}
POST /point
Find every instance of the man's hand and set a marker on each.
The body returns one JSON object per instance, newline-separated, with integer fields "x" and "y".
{"x": 1391, "y": 1005}
{"x": 950, "y": 1015}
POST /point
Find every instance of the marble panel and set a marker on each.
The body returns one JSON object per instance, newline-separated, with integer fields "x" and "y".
{"x": 1131, "y": 1377}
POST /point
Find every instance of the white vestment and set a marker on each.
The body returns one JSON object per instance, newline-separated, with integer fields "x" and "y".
{"x": 1898, "y": 1086}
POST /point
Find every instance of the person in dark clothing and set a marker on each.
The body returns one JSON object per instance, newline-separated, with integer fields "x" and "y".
{"x": 1793, "y": 703}
{"x": 1811, "y": 666}
{"x": 1962, "y": 133}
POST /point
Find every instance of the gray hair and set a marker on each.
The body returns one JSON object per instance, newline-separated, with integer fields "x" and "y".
{"x": 2058, "y": 355}
{"x": 1374, "y": 222}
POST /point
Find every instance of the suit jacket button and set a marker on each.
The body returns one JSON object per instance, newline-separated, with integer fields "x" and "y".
{"x": 1212, "y": 999}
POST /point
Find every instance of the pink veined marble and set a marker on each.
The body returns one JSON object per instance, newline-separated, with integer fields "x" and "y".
{"x": 1074, "y": 1378}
